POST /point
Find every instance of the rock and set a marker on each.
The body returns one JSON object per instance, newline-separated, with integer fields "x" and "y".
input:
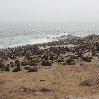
{"x": 46, "y": 63}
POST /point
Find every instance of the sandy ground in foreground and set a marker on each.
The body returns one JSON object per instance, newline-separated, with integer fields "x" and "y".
{"x": 63, "y": 81}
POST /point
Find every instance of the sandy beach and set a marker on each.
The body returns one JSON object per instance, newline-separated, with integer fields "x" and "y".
{"x": 64, "y": 69}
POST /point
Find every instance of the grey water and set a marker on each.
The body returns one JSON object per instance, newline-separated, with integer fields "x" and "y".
{"x": 18, "y": 34}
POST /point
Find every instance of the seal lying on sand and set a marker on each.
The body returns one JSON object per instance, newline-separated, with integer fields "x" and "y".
{"x": 18, "y": 65}
{"x": 7, "y": 67}
{"x": 46, "y": 63}
{"x": 31, "y": 69}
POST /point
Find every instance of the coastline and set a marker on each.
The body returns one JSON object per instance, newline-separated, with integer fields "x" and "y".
{"x": 56, "y": 39}
{"x": 63, "y": 69}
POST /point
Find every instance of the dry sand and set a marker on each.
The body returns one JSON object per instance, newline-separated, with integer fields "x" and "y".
{"x": 61, "y": 80}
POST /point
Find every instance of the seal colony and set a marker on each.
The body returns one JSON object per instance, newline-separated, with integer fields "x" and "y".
{"x": 73, "y": 61}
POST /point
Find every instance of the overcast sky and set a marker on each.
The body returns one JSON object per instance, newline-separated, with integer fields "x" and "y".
{"x": 49, "y": 10}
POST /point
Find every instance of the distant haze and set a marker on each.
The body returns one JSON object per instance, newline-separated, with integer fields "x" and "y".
{"x": 49, "y": 10}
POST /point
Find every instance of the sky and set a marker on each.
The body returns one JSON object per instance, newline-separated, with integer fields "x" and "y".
{"x": 49, "y": 10}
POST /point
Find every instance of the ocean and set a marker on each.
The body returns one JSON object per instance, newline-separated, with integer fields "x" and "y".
{"x": 18, "y": 34}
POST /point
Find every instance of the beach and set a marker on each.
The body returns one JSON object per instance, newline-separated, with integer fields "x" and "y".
{"x": 63, "y": 69}
{"x": 49, "y": 49}
{"x": 17, "y": 34}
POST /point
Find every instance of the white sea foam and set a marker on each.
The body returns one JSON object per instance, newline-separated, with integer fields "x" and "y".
{"x": 12, "y": 35}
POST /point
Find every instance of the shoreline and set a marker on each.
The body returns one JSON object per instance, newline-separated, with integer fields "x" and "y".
{"x": 59, "y": 69}
{"x": 60, "y": 38}
{"x": 57, "y": 39}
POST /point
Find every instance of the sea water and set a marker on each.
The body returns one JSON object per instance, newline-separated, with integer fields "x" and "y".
{"x": 18, "y": 34}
